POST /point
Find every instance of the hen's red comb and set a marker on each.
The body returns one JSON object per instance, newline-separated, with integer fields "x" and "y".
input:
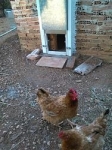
{"x": 71, "y": 90}
{"x": 73, "y": 94}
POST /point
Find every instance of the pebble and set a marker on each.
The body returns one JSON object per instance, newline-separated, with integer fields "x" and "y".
{"x": 47, "y": 128}
{"x": 4, "y": 132}
{"x": 97, "y": 78}
{"x": 17, "y": 126}
{"x": 28, "y": 144}
{"x": 13, "y": 145}
{"x": 44, "y": 142}
{"x": 24, "y": 102}
{"x": 1, "y": 139}
{"x": 10, "y": 132}
{"x": 25, "y": 118}
{"x": 38, "y": 141}
{"x": 58, "y": 85}
{"x": 48, "y": 143}
{"x": 32, "y": 117}
{"x": 109, "y": 90}
{"x": 34, "y": 143}
{"x": 78, "y": 81}
{"x": 55, "y": 92}
{"x": 2, "y": 100}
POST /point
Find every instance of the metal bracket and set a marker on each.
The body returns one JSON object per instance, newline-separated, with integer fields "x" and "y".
{"x": 68, "y": 47}
{"x": 44, "y": 46}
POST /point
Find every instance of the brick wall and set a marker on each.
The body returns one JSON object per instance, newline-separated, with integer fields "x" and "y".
{"x": 27, "y": 24}
{"x": 94, "y": 28}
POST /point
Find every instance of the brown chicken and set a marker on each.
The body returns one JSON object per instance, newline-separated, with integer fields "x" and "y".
{"x": 89, "y": 137}
{"x": 57, "y": 109}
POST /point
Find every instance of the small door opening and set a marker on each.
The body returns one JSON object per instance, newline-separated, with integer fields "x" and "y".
{"x": 56, "y": 42}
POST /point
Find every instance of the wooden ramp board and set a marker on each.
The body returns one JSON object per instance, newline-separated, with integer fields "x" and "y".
{"x": 70, "y": 62}
{"x": 88, "y": 66}
{"x": 53, "y": 62}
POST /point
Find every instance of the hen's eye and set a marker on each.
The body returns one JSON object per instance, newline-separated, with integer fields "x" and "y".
{"x": 71, "y": 92}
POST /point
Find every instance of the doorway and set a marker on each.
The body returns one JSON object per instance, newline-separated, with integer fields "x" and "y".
{"x": 56, "y": 42}
{"x": 57, "y": 36}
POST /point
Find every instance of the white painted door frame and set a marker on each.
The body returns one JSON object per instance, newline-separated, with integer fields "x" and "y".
{"x": 68, "y": 36}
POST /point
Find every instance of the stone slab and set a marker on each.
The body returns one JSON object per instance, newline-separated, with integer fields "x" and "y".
{"x": 53, "y": 62}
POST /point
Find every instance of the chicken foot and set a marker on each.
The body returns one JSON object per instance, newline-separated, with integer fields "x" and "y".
{"x": 71, "y": 123}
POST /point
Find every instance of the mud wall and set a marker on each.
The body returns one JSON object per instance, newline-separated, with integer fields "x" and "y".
{"x": 27, "y": 22}
{"x": 94, "y": 28}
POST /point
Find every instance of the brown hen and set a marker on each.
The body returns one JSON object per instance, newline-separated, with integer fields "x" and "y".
{"x": 56, "y": 109}
{"x": 89, "y": 137}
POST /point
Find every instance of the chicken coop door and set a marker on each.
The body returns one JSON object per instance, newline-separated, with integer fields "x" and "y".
{"x": 56, "y": 26}
{"x": 56, "y": 42}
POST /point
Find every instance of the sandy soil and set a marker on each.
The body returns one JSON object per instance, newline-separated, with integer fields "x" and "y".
{"x": 21, "y": 124}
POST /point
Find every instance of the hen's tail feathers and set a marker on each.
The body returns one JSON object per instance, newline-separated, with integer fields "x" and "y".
{"x": 106, "y": 112}
{"x": 100, "y": 124}
{"x": 41, "y": 91}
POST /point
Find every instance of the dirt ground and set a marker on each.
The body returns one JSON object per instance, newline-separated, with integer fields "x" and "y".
{"x": 6, "y": 24}
{"x": 21, "y": 124}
